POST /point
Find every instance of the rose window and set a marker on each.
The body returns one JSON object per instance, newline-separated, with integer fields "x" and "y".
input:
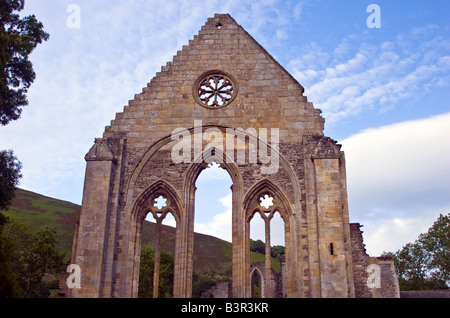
{"x": 215, "y": 90}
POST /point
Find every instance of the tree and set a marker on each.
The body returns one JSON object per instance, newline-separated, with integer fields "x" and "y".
{"x": 425, "y": 264}
{"x": 18, "y": 38}
{"x": 146, "y": 270}
{"x": 277, "y": 251}
{"x": 41, "y": 257}
{"x": 257, "y": 246}
{"x": 411, "y": 265}
{"x": 25, "y": 258}
{"x": 9, "y": 282}
{"x": 436, "y": 243}
{"x": 10, "y": 175}
{"x": 19, "y": 263}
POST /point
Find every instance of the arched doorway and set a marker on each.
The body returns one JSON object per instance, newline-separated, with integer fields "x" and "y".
{"x": 257, "y": 283}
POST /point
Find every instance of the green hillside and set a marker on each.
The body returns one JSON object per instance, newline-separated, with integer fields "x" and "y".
{"x": 212, "y": 256}
{"x": 37, "y": 210}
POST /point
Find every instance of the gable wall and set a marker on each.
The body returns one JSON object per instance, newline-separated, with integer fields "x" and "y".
{"x": 267, "y": 96}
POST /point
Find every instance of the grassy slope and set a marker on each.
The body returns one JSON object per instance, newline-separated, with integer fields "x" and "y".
{"x": 211, "y": 255}
{"x": 37, "y": 210}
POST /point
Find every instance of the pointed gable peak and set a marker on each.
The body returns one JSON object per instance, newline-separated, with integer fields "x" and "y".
{"x": 219, "y": 32}
{"x": 223, "y": 77}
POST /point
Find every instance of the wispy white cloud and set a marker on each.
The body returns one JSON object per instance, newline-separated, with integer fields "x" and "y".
{"x": 220, "y": 224}
{"x": 374, "y": 77}
{"x": 298, "y": 9}
{"x": 397, "y": 180}
{"x": 85, "y": 75}
{"x": 390, "y": 234}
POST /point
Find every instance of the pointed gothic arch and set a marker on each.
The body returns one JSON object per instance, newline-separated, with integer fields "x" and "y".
{"x": 280, "y": 204}
{"x": 143, "y": 205}
{"x": 280, "y": 201}
{"x": 257, "y": 278}
{"x": 200, "y": 163}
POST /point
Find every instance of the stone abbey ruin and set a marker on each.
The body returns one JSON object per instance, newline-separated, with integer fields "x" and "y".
{"x": 223, "y": 99}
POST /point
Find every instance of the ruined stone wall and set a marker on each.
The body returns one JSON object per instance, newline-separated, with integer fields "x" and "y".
{"x": 276, "y": 280}
{"x": 360, "y": 262}
{"x": 221, "y": 290}
{"x": 267, "y": 96}
{"x": 425, "y": 294}
{"x": 132, "y": 163}
{"x": 374, "y": 277}
{"x": 389, "y": 287}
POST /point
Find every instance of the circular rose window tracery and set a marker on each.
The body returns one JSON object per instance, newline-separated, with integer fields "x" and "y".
{"x": 215, "y": 89}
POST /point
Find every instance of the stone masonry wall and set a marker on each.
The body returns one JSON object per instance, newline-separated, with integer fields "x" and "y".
{"x": 374, "y": 277}
{"x": 133, "y": 161}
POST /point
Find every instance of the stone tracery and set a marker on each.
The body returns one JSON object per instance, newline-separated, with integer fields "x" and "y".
{"x": 215, "y": 89}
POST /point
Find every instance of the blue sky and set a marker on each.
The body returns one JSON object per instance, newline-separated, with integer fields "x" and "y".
{"x": 384, "y": 93}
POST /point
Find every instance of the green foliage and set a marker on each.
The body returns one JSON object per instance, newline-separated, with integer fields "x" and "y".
{"x": 258, "y": 251}
{"x": 9, "y": 280}
{"x": 25, "y": 258}
{"x": 18, "y": 38}
{"x": 257, "y": 246}
{"x": 425, "y": 264}
{"x": 201, "y": 283}
{"x": 436, "y": 243}
{"x": 277, "y": 251}
{"x": 256, "y": 283}
{"x": 9, "y": 177}
{"x": 166, "y": 268}
{"x": 37, "y": 211}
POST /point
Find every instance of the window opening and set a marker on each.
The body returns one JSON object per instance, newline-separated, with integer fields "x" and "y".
{"x": 214, "y": 89}
{"x": 266, "y": 201}
{"x": 267, "y": 236}
{"x": 256, "y": 288}
{"x": 160, "y": 202}
{"x": 212, "y": 216}
{"x": 157, "y": 251}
